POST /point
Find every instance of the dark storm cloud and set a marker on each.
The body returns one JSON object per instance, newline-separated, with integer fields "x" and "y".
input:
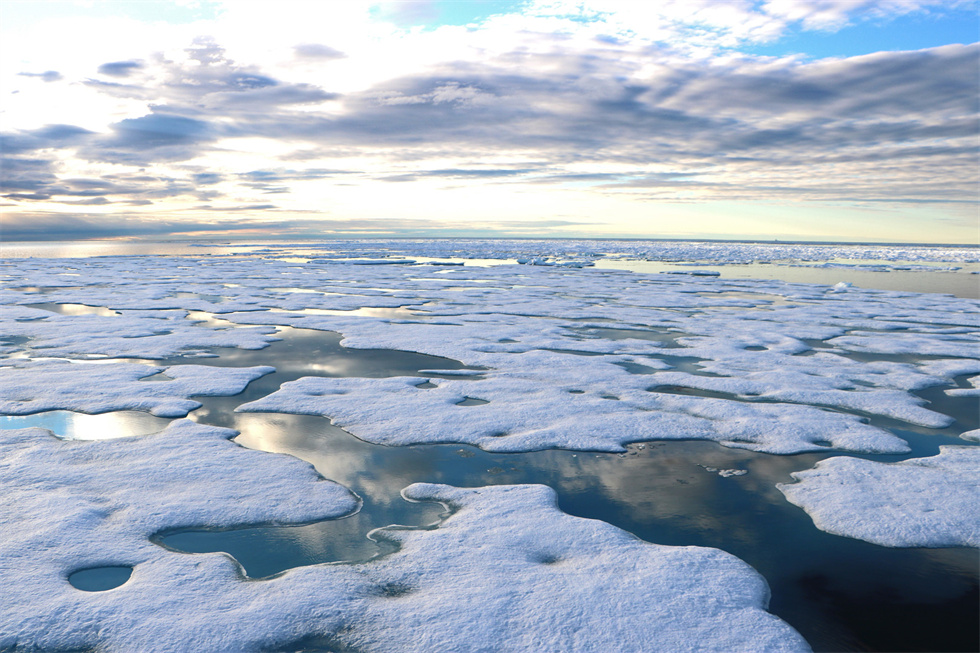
{"x": 120, "y": 68}
{"x": 317, "y": 51}
{"x": 47, "y": 75}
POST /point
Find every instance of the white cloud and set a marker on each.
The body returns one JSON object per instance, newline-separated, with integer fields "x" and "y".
{"x": 571, "y": 109}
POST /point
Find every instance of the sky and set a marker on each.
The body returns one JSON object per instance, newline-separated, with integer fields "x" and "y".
{"x": 824, "y": 120}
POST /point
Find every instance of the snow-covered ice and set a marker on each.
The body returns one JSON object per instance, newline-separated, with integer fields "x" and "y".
{"x": 28, "y": 387}
{"x": 530, "y": 412}
{"x": 752, "y": 364}
{"x": 930, "y": 502}
{"x": 561, "y": 355}
{"x": 507, "y": 570}
{"x": 511, "y": 572}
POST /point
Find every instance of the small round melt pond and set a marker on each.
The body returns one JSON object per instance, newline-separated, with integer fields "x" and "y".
{"x": 99, "y": 579}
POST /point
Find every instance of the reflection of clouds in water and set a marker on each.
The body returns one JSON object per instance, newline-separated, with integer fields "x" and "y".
{"x": 664, "y": 486}
{"x": 377, "y": 474}
{"x": 79, "y": 426}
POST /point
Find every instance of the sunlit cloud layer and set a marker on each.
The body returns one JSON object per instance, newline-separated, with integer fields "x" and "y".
{"x": 508, "y": 118}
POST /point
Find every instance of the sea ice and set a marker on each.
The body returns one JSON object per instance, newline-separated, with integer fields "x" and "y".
{"x": 510, "y": 572}
{"x": 135, "y": 334}
{"x": 507, "y": 569}
{"x": 34, "y": 386}
{"x": 751, "y": 364}
{"x": 568, "y": 357}
{"x": 527, "y": 412}
{"x": 71, "y": 505}
{"x": 932, "y": 502}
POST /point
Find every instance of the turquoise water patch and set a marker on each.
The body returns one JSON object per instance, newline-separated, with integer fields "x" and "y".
{"x": 100, "y": 579}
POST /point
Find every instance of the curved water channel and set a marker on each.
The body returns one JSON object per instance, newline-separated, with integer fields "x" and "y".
{"x": 840, "y": 593}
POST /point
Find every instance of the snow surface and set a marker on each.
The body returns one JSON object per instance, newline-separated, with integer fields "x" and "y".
{"x": 139, "y": 334}
{"x": 751, "y": 364}
{"x": 507, "y": 571}
{"x": 529, "y": 412}
{"x": 28, "y": 387}
{"x": 932, "y": 502}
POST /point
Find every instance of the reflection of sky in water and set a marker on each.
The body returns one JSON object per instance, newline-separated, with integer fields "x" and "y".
{"x": 842, "y": 594}
{"x": 79, "y": 426}
{"x": 961, "y": 284}
{"x": 658, "y": 491}
{"x": 75, "y": 309}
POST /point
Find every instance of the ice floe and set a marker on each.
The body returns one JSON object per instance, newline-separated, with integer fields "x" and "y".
{"x": 528, "y": 412}
{"x": 766, "y": 365}
{"x": 931, "y": 502}
{"x": 151, "y": 334}
{"x": 510, "y": 572}
{"x": 28, "y": 387}
{"x": 507, "y": 568}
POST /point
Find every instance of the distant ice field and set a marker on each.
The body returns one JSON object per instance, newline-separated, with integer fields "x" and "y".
{"x": 577, "y": 456}
{"x": 915, "y": 268}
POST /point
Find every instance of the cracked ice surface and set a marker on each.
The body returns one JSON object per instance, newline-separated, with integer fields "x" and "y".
{"x": 28, "y": 387}
{"x": 933, "y": 502}
{"x": 508, "y": 567}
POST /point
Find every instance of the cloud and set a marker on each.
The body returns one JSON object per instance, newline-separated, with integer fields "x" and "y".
{"x": 120, "y": 68}
{"x": 833, "y": 14}
{"x": 206, "y": 178}
{"x": 231, "y": 209}
{"x": 159, "y": 130}
{"x": 28, "y": 175}
{"x": 317, "y": 51}
{"x": 40, "y": 226}
{"x": 47, "y": 137}
{"x": 156, "y": 137}
{"x": 47, "y": 75}
{"x": 739, "y": 118}
{"x": 32, "y": 180}
{"x": 635, "y": 101}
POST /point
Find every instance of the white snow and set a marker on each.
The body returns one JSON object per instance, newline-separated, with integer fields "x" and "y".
{"x": 932, "y": 502}
{"x": 28, "y": 387}
{"x": 770, "y": 356}
{"x": 528, "y": 412}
